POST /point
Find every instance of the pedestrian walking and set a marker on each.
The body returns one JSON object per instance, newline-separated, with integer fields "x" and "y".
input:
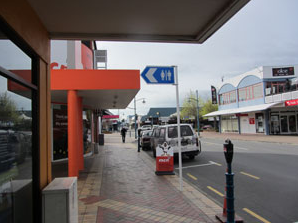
{"x": 123, "y": 134}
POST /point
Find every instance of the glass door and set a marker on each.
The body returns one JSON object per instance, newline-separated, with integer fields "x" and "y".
{"x": 284, "y": 124}
{"x": 260, "y": 122}
{"x": 292, "y": 124}
{"x": 275, "y": 126}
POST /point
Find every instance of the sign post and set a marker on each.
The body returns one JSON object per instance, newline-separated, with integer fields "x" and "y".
{"x": 178, "y": 127}
{"x": 166, "y": 75}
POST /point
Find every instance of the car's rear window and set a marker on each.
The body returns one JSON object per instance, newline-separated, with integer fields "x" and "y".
{"x": 185, "y": 131}
{"x": 148, "y": 133}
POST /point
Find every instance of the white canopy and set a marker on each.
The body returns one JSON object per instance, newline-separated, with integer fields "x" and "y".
{"x": 241, "y": 110}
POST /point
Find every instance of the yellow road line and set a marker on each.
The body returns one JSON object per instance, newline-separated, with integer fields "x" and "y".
{"x": 215, "y": 191}
{"x": 249, "y": 175}
{"x": 191, "y": 176}
{"x": 255, "y": 215}
{"x": 217, "y": 164}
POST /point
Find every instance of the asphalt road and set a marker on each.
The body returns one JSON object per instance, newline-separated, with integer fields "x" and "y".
{"x": 265, "y": 180}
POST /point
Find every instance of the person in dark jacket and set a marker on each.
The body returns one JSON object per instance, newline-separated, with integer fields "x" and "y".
{"x": 123, "y": 134}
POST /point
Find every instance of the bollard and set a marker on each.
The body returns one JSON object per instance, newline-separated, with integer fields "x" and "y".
{"x": 228, "y": 214}
{"x": 139, "y": 140}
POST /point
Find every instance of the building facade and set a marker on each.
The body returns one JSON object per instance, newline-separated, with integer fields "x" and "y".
{"x": 263, "y": 100}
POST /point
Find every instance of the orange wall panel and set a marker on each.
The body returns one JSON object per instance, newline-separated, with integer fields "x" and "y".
{"x": 94, "y": 79}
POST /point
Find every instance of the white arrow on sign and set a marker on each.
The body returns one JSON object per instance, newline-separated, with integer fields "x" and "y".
{"x": 149, "y": 75}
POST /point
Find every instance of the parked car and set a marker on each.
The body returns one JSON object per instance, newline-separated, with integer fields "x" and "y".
{"x": 190, "y": 143}
{"x": 146, "y": 127}
{"x": 145, "y": 139}
{"x": 207, "y": 127}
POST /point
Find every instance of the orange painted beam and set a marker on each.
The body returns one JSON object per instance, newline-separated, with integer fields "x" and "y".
{"x": 72, "y": 112}
{"x": 94, "y": 79}
{"x": 80, "y": 135}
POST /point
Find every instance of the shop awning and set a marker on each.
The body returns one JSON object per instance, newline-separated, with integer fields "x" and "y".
{"x": 191, "y": 21}
{"x": 247, "y": 109}
{"x": 100, "y": 89}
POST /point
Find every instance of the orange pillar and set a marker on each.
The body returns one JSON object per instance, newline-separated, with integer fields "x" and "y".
{"x": 80, "y": 135}
{"x": 72, "y": 113}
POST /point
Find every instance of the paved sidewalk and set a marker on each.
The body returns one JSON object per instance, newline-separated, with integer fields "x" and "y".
{"x": 119, "y": 185}
{"x": 252, "y": 137}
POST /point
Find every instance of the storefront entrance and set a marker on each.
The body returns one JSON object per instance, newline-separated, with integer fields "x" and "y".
{"x": 288, "y": 123}
{"x": 284, "y": 123}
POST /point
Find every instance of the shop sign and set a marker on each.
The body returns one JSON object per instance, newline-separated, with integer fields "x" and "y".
{"x": 164, "y": 159}
{"x": 241, "y": 115}
{"x": 213, "y": 95}
{"x": 291, "y": 102}
{"x": 285, "y": 71}
{"x": 110, "y": 116}
{"x": 60, "y": 119}
{"x": 251, "y": 121}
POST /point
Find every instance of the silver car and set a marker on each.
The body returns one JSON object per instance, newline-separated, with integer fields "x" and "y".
{"x": 190, "y": 142}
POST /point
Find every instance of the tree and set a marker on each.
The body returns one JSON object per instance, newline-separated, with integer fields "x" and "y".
{"x": 8, "y": 110}
{"x": 189, "y": 107}
{"x": 208, "y": 107}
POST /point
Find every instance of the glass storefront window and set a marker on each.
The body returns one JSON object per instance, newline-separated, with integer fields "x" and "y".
{"x": 16, "y": 133}
{"x": 16, "y": 152}
{"x": 229, "y": 124}
{"x": 227, "y": 98}
{"x": 15, "y": 60}
{"x": 251, "y": 92}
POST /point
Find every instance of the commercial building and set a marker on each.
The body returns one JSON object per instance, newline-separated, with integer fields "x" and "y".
{"x": 26, "y": 29}
{"x": 263, "y": 100}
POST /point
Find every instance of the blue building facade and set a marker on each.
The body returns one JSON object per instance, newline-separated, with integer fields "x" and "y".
{"x": 263, "y": 100}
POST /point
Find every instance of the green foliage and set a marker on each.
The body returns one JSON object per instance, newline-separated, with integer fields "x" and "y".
{"x": 208, "y": 107}
{"x": 8, "y": 109}
{"x": 189, "y": 107}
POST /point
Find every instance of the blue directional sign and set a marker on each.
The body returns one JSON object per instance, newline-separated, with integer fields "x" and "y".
{"x": 158, "y": 75}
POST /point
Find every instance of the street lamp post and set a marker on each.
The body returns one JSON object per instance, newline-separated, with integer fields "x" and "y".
{"x": 157, "y": 113}
{"x": 135, "y": 109}
{"x": 198, "y": 111}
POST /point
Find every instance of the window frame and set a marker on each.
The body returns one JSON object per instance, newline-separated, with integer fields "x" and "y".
{"x": 249, "y": 92}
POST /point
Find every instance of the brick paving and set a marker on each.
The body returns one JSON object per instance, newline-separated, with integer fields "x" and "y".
{"x": 119, "y": 185}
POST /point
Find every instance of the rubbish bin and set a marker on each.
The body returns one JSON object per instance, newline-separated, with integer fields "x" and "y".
{"x": 101, "y": 139}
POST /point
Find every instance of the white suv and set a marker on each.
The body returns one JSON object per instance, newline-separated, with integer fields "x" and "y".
{"x": 190, "y": 143}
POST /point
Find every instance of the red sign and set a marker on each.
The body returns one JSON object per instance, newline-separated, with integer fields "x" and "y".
{"x": 110, "y": 116}
{"x": 251, "y": 121}
{"x": 164, "y": 159}
{"x": 291, "y": 102}
{"x": 241, "y": 115}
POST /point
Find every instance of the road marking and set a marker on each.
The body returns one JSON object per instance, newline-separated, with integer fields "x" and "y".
{"x": 255, "y": 215}
{"x": 217, "y": 164}
{"x": 215, "y": 191}
{"x": 249, "y": 175}
{"x": 206, "y": 164}
{"x": 241, "y": 148}
{"x": 191, "y": 176}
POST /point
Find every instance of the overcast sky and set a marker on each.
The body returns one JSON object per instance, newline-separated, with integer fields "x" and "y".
{"x": 264, "y": 32}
